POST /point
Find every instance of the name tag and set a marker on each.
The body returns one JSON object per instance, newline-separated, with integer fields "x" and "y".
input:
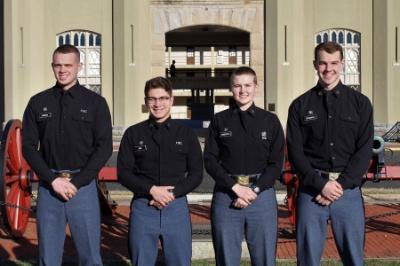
{"x": 225, "y": 134}
{"x": 45, "y": 115}
{"x": 310, "y": 116}
{"x": 139, "y": 148}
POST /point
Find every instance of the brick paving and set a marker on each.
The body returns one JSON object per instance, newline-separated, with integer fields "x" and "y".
{"x": 382, "y": 235}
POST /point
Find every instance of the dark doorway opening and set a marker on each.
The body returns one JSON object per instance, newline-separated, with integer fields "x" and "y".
{"x": 202, "y": 59}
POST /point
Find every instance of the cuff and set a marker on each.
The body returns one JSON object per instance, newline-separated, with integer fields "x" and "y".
{"x": 345, "y": 182}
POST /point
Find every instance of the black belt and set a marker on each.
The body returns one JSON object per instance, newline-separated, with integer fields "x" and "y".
{"x": 246, "y": 180}
{"x": 66, "y": 173}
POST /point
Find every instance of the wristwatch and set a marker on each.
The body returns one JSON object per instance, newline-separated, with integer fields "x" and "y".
{"x": 171, "y": 191}
{"x": 255, "y": 189}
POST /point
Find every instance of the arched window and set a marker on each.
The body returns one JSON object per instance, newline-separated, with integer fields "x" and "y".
{"x": 325, "y": 37}
{"x": 60, "y": 40}
{"x": 319, "y": 39}
{"x": 76, "y": 41}
{"x": 357, "y": 39}
{"x": 82, "y": 39}
{"x": 98, "y": 40}
{"x": 341, "y": 39}
{"x": 90, "y": 75}
{"x": 90, "y": 39}
{"x": 334, "y": 37}
{"x": 349, "y": 38}
{"x": 351, "y": 44}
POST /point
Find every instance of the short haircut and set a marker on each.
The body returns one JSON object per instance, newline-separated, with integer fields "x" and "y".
{"x": 67, "y": 49}
{"x": 158, "y": 82}
{"x": 243, "y": 71}
{"x": 329, "y": 47}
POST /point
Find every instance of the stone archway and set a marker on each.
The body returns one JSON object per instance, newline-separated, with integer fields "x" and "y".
{"x": 168, "y": 16}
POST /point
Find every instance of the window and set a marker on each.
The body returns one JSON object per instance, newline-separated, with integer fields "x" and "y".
{"x": 351, "y": 43}
{"x": 89, "y": 45}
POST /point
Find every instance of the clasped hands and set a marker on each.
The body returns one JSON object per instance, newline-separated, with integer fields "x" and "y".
{"x": 331, "y": 192}
{"x": 161, "y": 196}
{"x": 64, "y": 188}
{"x": 245, "y": 196}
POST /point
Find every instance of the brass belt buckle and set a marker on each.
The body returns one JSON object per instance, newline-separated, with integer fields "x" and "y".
{"x": 333, "y": 176}
{"x": 243, "y": 180}
{"x": 65, "y": 175}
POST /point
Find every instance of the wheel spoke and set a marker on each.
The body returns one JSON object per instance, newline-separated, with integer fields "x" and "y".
{"x": 9, "y": 179}
{"x": 18, "y": 209}
{"x": 14, "y": 151}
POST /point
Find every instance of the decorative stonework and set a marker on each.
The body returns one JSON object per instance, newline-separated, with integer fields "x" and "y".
{"x": 167, "y": 18}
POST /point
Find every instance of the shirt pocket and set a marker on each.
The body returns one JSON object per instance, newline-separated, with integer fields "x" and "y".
{"x": 261, "y": 144}
{"x": 82, "y": 117}
{"x": 140, "y": 152}
{"x": 179, "y": 152}
{"x": 313, "y": 129}
{"x": 44, "y": 121}
{"x": 349, "y": 123}
{"x": 83, "y": 122}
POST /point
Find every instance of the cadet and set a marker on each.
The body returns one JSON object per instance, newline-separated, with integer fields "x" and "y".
{"x": 244, "y": 154}
{"x": 66, "y": 140}
{"x": 160, "y": 161}
{"x": 329, "y": 136}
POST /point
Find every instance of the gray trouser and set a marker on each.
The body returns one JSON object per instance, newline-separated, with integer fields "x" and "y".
{"x": 171, "y": 225}
{"x": 257, "y": 222}
{"x": 82, "y": 213}
{"x": 348, "y": 226}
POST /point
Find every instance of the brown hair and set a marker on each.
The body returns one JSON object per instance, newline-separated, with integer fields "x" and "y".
{"x": 158, "y": 82}
{"x": 329, "y": 47}
{"x": 243, "y": 71}
{"x": 67, "y": 49}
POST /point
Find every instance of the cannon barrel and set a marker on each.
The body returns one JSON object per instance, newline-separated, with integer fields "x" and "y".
{"x": 378, "y": 145}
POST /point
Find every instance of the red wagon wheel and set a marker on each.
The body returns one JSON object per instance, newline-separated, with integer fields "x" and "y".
{"x": 15, "y": 189}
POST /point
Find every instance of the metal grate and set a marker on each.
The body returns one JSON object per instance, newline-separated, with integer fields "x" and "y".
{"x": 393, "y": 135}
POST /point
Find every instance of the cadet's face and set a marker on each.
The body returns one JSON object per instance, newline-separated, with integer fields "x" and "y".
{"x": 159, "y": 104}
{"x": 329, "y": 66}
{"x": 66, "y": 68}
{"x": 243, "y": 89}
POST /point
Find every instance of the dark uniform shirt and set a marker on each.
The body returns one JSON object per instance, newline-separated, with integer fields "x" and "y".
{"x": 330, "y": 131}
{"x": 244, "y": 142}
{"x": 67, "y": 131}
{"x": 166, "y": 154}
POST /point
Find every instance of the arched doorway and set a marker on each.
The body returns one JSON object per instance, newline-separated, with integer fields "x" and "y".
{"x": 204, "y": 57}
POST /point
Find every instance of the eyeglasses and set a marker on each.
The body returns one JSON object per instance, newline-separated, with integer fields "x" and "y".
{"x": 153, "y": 100}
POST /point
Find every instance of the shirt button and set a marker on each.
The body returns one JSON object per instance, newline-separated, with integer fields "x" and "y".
{"x": 333, "y": 158}
{"x": 329, "y": 116}
{"x": 331, "y": 144}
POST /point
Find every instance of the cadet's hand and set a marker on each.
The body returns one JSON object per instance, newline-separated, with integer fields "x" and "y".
{"x": 162, "y": 194}
{"x": 65, "y": 189}
{"x": 332, "y": 191}
{"x": 245, "y": 193}
{"x": 322, "y": 200}
{"x": 240, "y": 203}
{"x": 155, "y": 204}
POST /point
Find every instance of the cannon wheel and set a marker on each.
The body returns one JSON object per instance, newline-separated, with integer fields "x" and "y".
{"x": 15, "y": 189}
